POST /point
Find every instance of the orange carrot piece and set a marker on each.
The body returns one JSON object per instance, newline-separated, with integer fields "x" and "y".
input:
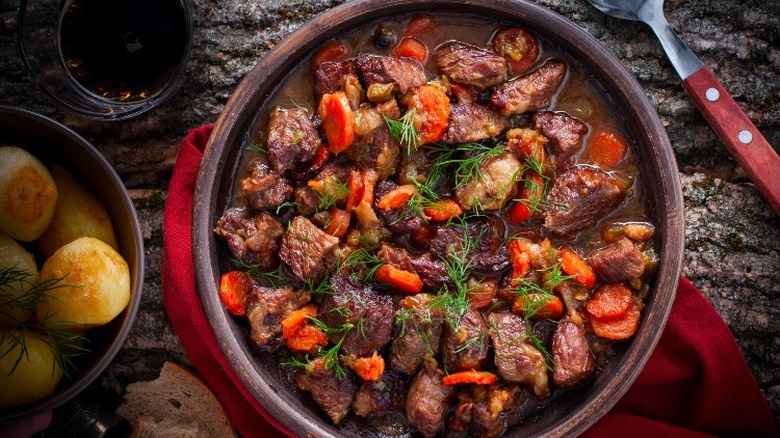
{"x": 356, "y": 188}
{"x": 472, "y": 377}
{"x": 419, "y": 24}
{"x": 443, "y": 210}
{"x": 306, "y": 338}
{"x": 610, "y": 301}
{"x": 339, "y": 222}
{"x": 332, "y": 51}
{"x": 573, "y": 264}
{"x": 402, "y": 281}
{"x": 411, "y": 47}
{"x": 397, "y": 198}
{"x": 297, "y": 319}
{"x": 620, "y": 328}
{"x": 233, "y": 289}
{"x": 520, "y": 259}
{"x": 369, "y": 368}
{"x": 519, "y": 47}
{"x": 338, "y": 120}
{"x": 432, "y": 108}
{"x": 538, "y": 306}
{"x": 370, "y": 178}
{"x": 607, "y": 148}
{"x": 524, "y": 209}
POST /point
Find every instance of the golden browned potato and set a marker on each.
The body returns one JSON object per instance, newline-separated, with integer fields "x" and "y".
{"x": 28, "y": 194}
{"x": 95, "y": 285}
{"x": 78, "y": 214}
{"x": 20, "y": 273}
{"x": 36, "y": 374}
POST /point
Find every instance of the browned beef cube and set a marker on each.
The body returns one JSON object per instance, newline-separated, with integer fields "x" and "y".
{"x": 327, "y": 78}
{"x": 621, "y": 261}
{"x": 370, "y": 314}
{"x": 466, "y": 342}
{"x": 292, "y": 138}
{"x": 380, "y": 396}
{"x": 428, "y": 400}
{"x": 429, "y": 267}
{"x": 572, "y": 359}
{"x": 264, "y": 188}
{"x": 487, "y": 237}
{"x": 308, "y": 250}
{"x": 495, "y": 185}
{"x": 331, "y": 393}
{"x": 470, "y": 122}
{"x": 564, "y": 132}
{"x": 306, "y": 201}
{"x": 470, "y": 65}
{"x": 267, "y": 307}
{"x": 405, "y": 73}
{"x": 251, "y": 238}
{"x": 374, "y": 147}
{"x": 531, "y": 92}
{"x": 480, "y": 409}
{"x": 398, "y": 220}
{"x": 516, "y": 359}
{"x": 417, "y": 336}
{"x": 580, "y": 196}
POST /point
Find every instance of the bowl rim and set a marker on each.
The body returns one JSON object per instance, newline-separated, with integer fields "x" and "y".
{"x": 77, "y": 385}
{"x": 231, "y": 127}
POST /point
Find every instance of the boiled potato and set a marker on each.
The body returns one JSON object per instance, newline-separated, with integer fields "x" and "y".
{"x": 17, "y": 262}
{"x": 95, "y": 285}
{"x": 78, "y": 214}
{"x": 28, "y": 194}
{"x": 35, "y": 376}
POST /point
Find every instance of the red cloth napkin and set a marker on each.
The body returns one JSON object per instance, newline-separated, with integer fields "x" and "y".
{"x": 695, "y": 384}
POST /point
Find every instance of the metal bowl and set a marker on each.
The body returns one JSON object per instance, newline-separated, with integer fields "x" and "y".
{"x": 52, "y": 143}
{"x": 662, "y": 197}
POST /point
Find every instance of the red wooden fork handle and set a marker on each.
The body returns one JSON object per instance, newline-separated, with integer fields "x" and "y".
{"x": 751, "y": 150}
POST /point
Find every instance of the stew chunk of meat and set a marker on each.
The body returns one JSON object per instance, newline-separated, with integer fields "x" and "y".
{"x": 495, "y": 185}
{"x": 580, "y": 196}
{"x": 327, "y": 78}
{"x": 572, "y": 360}
{"x": 621, "y": 261}
{"x": 564, "y": 132}
{"x": 308, "y": 250}
{"x": 379, "y": 396}
{"x": 427, "y": 401}
{"x": 369, "y": 313}
{"x": 267, "y": 307}
{"x": 417, "y": 336}
{"x": 253, "y": 239}
{"x": 465, "y": 341}
{"x": 470, "y": 122}
{"x": 531, "y": 92}
{"x": 333, "y": 394}
{"x": 264, "y": 188}
{"x": 517, "y": 361}
{"x": 404, "y": 73}
{"x": 292, "y": 138}
{"x": 470, "y": 65}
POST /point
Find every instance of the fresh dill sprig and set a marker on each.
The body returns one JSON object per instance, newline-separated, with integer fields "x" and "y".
{"x": 255, "y": 147}
{"x": 467, "y": 165}
{"x": 403, "y": 130}
{"x": 332, "y": 192}
{"x": 63, "y": 343}
{"x": 361, "y": 260}
{"x": 275, "y": 277}
{"x": 287, "y": 204}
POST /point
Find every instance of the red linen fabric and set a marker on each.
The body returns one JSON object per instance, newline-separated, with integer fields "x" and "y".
{"x": 696, "y": 383}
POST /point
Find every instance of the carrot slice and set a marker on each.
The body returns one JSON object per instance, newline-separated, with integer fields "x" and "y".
{"x": 369, "y": 368}
{"x": 233, "y": 289}
{"x": 339, "y": 222}
{"x": 520, "y": 259}
{"x": 620, "y": 328}
{"x": 432, "y": 108}
{"x": 607, "y": 148}
{"x": 407, "y": 282}
{"x": 332, "y": 51}
{"x": 610, "y": 301}
{"x": 522, "y": 210}
{"x": 419, "y": 24}
{"x": 411, "y": 47}
{"x": 397, "y": 198}
{"x": 573, "y": 264}
{"x": 443, "y": 210}
{"x": 356, "y": 188}
{"x": 297, "y": 319}
{"x": 472, "y": 377}
{"x": 538, "y": 306}
{"x": 338, "y": 120}
{"x": 306, "y": 338}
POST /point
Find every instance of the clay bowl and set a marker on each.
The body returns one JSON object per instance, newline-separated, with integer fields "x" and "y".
{"x": 53, "y": 143}
{"x": 566, "y": 416}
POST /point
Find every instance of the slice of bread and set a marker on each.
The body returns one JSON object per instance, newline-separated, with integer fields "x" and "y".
{"x": 176, "y": 403}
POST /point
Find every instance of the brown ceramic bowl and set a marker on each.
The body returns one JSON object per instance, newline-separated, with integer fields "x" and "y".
{"x": 52, "y": 143}
{"x": 662, "y": 196}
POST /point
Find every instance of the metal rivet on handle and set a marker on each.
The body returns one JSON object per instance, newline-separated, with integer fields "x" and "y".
{"x": 712, "y": 94}
{"x": 745, "y": 137}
